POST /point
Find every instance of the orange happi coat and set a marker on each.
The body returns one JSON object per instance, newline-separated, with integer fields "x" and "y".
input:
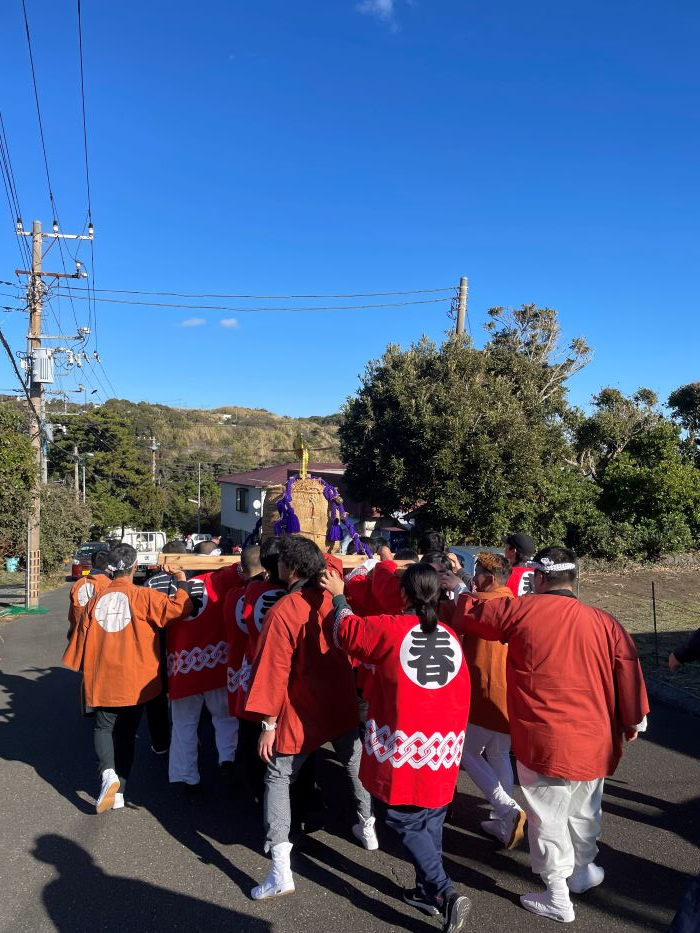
{"x": 82, "y": 592}
{"x": 116, "y": 642}
{"x": 300, "y": 676}
{"x": 486, "y": 661}
{"x": 574, "y": 681}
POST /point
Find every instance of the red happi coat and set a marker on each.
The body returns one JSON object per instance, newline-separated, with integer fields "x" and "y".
{"x": 418, "y": 708}
{"x": 300, "y": 676}
{"x": 196, "y": 646}
{"x": 244, "y": 614}
{"x": 521, "y": 581}
{"x": 574, "y": 681}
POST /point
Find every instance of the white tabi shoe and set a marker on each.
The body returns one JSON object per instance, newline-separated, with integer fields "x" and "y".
{"x": 365, "y": 832}
{"x": 514, "y": 829}
{"x": 585, "y": 878}
{"x": 118, "y": 802}
{"x": 545, "y": 905}
{"x": 280, "y": 880}
{"x": 108, "y": 790}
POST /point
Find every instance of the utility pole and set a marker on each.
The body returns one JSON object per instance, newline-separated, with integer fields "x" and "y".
{"x": 76, "y": 480}
{"x": 199, "y": 498}
{"x": 154, "y": 448}
{"x": 462, "y": 305}
{"x": 36, "y": 406}
{"x": 83, "y": 465}
{"x": 40, "y": 370}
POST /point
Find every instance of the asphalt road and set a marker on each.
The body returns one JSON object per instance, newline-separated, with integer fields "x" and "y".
{"x": 169, "y": 864}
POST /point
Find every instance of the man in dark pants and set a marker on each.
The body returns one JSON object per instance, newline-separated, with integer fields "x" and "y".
{"x": 115, "y": 647}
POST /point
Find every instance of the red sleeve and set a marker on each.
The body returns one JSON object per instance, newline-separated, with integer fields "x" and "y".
{"x": 386, "y": 588}
{"x": 227, "y": 578}
{"x": 356, "y": 593}
{"x": 630, "y": 689}
{"x": 368, "y": 640}
{"x": 490, "y": 619}
{"x": 269, "y": 678}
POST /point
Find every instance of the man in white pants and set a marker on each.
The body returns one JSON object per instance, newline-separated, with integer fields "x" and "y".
{"x": 575, "y": 692}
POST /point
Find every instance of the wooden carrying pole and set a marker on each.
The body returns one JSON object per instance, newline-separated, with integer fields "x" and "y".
{"x": 215, "y": 562}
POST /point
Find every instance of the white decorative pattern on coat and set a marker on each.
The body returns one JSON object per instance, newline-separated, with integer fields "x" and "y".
{"x": 239, "y": 678}
{"x": 113, "y": 612}
{"x": 339, "y": 616}
{"x": 417, "y": 750}
{"x": 182, "y": 662}
{"x": 85, "y": 593}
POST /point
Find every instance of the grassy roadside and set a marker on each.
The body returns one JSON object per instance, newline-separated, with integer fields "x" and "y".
{"x": 627, "y": 594}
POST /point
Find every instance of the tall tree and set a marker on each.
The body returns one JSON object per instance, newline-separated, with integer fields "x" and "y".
{"x": 476, "y": 438}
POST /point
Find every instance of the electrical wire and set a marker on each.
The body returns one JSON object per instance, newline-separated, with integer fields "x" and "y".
{"x": 239, "y": 310}
{"x": 417, "y": 291}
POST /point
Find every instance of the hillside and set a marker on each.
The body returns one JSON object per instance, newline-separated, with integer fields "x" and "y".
{"x": 227, "y": 438}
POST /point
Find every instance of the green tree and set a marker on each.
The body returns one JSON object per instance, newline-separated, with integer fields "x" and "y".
{"x": 65, "y": 524}
{"x": 615, "y": 422}
{"x": 475, "y": 437}
{"x": 17, "y": 475}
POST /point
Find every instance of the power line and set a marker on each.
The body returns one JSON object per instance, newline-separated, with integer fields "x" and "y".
{"x": 38, "y": 108}
{"x": 239, "y": 310}
{"x": 82, "y": 98}
{"x": 417, "y": 291}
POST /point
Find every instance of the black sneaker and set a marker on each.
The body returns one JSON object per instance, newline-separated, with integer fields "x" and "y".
{"x": 457, "y": 907}
{"x": 416, "y": 897}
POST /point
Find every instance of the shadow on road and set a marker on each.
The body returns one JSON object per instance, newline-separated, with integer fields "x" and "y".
{"x": 83, "y": 897}
{"x": 41, "y": 726}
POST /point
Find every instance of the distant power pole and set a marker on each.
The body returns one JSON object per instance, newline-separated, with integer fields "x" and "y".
{"x": 76, "y": 473}
{"x": 199, "y": 498}
{"x": 40, "y": 370}
{"x": 462, "y": 305}
{"x": 154, "y": 448}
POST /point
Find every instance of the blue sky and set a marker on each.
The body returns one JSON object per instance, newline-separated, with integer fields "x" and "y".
{"x": 546, "y": 150}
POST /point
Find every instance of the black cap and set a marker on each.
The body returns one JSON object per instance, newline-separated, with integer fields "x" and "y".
{"x": 523, "y": 544}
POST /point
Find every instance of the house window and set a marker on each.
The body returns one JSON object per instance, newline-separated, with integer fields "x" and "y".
{"x": 241, "y": 500}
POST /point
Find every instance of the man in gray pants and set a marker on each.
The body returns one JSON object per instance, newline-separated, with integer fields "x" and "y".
{"x": 303, "y": 688}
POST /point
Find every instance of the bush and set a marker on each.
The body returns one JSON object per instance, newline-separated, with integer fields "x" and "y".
{"x": 65, "y": 524}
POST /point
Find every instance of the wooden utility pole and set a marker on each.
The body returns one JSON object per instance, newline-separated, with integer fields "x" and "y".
{"x": 199, "y": 498}
{"x": 37, "y": 359}
{"x": 36, "y": 396}
{"x": 462, "y": 304}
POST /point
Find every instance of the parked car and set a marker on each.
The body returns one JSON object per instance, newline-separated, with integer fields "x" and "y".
{"x": 82, "y": 561}
{"x": 468, "y": 553}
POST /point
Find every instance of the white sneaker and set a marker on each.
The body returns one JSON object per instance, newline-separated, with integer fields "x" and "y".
{"x": 541, "y": 904}
{"x": 585, "y": 878}
{"x": 118, "y": 802}
{"x": 108, "y": 790}
{"x": 280, "y": 880}
{"x": 365, "y": 832}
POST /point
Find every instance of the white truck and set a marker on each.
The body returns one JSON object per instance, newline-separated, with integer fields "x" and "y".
{"x": 148, "y": 545}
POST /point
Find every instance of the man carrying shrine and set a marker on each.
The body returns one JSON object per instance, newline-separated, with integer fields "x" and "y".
{"x": 519, "y": 550}
{"x": 115, "y": 646}
{"x": 197, "y": 657}
{"x": 302, "y": 687}
{"x": 575, "y": 694}
{"x": 85, "y": 588}
{"x": 418, "y": 711}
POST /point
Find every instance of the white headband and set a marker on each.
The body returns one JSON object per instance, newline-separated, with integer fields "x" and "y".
{"x": 120, "y": 566}
{"x": 547, "y": 565}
